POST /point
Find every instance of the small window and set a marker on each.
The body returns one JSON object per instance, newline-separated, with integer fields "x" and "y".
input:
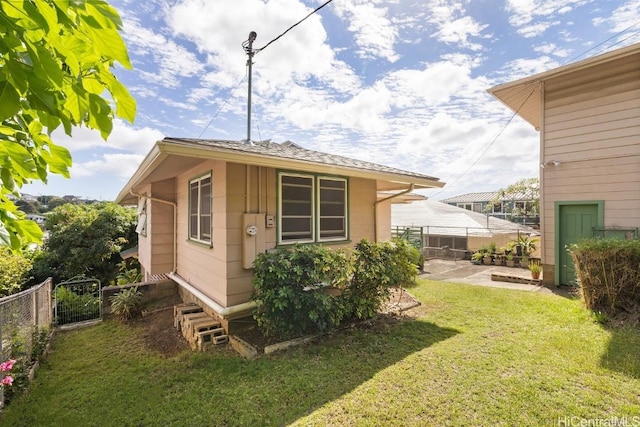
{"x": 141, "y": 228}
{"x": 312, "y": 209}
{"x": 296, "y": 208}
{"x": 200, "y": 209}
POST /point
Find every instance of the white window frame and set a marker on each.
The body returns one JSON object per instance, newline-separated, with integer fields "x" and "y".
{"x": 141, "y": 227}
{"x": 316, "y": 205}
{"x": 200, "y": 235}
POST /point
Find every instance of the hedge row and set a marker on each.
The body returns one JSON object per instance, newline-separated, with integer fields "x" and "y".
{"x": 609, "y": 274}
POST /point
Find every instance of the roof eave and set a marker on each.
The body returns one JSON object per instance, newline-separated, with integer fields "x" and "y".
{"x": 150, "y": 162}
{"x": 522, "y": 97}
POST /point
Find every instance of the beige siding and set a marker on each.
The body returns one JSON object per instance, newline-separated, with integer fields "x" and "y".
{"x": 592, "y": 127}
{"x": 202, "y": 266}
{"x": 161, "y": 225}
{"x": 362, "y": 197}
{"x": 239, "y": 279}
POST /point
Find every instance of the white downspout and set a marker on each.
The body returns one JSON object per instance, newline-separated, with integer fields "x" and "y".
{"x": 175, "y": 224}
{"x": 375, "y": 208}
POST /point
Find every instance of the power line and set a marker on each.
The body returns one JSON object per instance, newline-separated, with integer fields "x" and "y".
{"x": 222, "y": 106}
{"x": 294, "y": 25}
{"x": 495, "y": 138}
{"x": 604, "y": 41}
{"x": 529, "y": 96}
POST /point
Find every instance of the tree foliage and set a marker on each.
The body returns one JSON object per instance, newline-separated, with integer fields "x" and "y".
{"x": 14, "y": 269}
{"x": 85, "y": 240}
{"x": 55, "y": 65}
{"x": 526, "y": 189}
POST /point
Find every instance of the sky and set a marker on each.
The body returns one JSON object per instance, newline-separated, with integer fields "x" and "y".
{"x": 401, "y": 83}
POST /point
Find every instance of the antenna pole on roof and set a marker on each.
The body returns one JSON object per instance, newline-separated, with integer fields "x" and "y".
{"x": 248, "y": 48}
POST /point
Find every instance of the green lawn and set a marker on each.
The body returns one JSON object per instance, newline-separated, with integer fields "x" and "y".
{"x": 472, "y": 356}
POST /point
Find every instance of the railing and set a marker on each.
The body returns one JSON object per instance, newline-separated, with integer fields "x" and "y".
{"x": 23, "y": 314}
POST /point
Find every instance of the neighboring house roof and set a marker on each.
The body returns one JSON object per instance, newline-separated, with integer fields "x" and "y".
{"x": 472, "y": 197}
{"x": 525, "y": 97}
{"x": 451, "y": 220}
{"x": 486, "y": 197}
{"x": 171, "y": 155}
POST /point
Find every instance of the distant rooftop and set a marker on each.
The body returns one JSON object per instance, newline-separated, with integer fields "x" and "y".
{"x": 485, "y": 197}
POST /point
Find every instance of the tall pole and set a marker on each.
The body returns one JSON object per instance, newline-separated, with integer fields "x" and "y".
{"x": 248, "y": 48}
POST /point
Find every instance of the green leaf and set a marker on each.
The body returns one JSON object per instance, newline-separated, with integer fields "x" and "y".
{"x": 125, "y": 103}
{"x": 59, "y": 160}
{"x": 9, "y": 100}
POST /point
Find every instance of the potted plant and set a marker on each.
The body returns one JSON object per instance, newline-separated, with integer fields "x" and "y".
{"x": 476, "y": 258}
{"x": 510, "y": 260}
{"x": 524, "y": 261}
{"x": 535, "y": 269}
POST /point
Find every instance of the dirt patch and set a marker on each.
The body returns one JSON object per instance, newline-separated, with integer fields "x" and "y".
{"x": 159, "y": 334}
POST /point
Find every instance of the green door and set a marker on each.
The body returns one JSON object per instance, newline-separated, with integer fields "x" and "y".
{"x": 576, "y": 221}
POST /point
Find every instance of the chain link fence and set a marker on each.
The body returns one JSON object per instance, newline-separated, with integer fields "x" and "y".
{"x": 22, "y": 315}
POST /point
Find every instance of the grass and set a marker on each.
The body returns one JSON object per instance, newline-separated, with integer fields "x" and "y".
{"x": 472, "y": 356}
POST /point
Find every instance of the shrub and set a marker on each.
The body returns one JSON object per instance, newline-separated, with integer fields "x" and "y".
{"x": 14, "y": 269}
{"x": 289, "y": 290}
{"x": 290, "y": 284}
{"x": 126, "y": 304}
{"x": 608, "y": 274}
{"x": 377, "y": 267}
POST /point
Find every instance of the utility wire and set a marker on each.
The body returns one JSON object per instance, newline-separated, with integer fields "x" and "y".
{"x": 222, "y": 106}
{"x": 529, "y": 96}
{"x": 495, "y": 138}
{"x": 294, "y": 25}
{"x": 604, "y": 41}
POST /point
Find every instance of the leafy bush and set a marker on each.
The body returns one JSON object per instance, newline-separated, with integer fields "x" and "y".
{"x": 608, "y": 273}
{"x": 377, "y": 267}
{"x": 128, "y": 273}
{"x": 291, "y": 284}
{"x": 127, "y": 304}
{"x": 289, "y": 290}
{"x": 85, "y": 240}
{"x": 14, "y": 269}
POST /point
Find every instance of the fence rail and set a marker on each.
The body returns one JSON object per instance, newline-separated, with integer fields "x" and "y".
{"x": 21, "y": 314}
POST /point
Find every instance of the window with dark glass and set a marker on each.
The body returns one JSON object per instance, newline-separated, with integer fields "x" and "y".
{"x": 200, "y": 209}
{"x": 312, "y": 209}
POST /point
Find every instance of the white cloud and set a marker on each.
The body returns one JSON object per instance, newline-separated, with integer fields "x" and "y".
{"x": 552, "y": 49}
{"x": 123, "y": 137}
{"x": 171, "y": 60}
{"x": 458, "y": 32}
{"x": 524, "y": 12}
{"x": 622, "y": 17}
{"x": 119, "y": 165}
{"x": 537, "y": 29}
{"x": 375, "y": 34}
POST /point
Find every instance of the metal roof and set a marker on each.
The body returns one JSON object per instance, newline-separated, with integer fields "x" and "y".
{"x": 451, "y": 220}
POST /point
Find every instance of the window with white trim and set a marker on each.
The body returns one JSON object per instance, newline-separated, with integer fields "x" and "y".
{"x": 312, "y": 208}
{"x": 200, "y": 209}
{"x": 141, "y": 227}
